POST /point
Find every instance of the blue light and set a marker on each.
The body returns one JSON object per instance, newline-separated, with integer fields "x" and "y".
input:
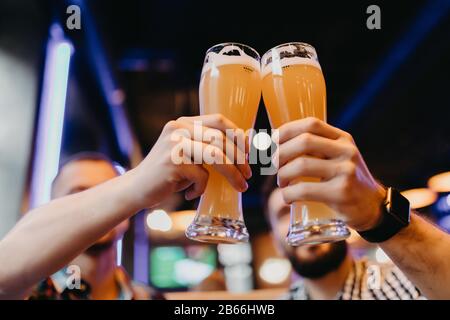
{"x": 51, "y": 116}
{"x": 443, "y": 205}
{"x": 428, "y": 18}
{"x": 445, "y": 223}
{"x": 113, "y": 95}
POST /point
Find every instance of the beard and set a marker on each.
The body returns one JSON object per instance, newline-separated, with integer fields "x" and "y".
{"x": 98, "y": 248}
{"x": 321, "y": 265}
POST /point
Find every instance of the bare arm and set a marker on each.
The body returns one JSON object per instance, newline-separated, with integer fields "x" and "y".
{"x": 50, "y": 236}
{"x": 421, "y": 250}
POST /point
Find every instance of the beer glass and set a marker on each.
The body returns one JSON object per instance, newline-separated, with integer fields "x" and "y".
{"x": 230, "y": 84}
{"x": 293, "y": 88}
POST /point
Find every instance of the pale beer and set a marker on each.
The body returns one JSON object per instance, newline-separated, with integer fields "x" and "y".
{"x": 229, "y": 85}
{"x": 293, "y": 88}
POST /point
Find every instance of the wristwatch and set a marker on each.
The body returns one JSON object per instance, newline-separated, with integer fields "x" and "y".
{"x": 395, "y": 215}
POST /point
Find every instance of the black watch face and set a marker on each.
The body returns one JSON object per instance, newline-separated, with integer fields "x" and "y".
{"x": 399, "y": 207}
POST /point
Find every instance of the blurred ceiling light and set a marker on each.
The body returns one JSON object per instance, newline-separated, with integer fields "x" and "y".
{"x": 275, "y": 270}
{"x": 159, "y": 220}
{"x": 440, "y": 182}
{"x": 443, "y": 204}
{"x": 51, "y": 116}
{"x": 420, "y": 197}
{"x": 262, "y": 141}
{"x": 445, "y": 223}
{"x": 381, "y": 256}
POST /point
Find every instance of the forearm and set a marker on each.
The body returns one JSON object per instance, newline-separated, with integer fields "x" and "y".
{"x": 422, "y": 252}
{"x": 49, "y": 237}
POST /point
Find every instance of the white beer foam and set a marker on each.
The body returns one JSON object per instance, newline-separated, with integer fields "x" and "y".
{"x": 220, "y": 59}
{"x": 279, "y": 64}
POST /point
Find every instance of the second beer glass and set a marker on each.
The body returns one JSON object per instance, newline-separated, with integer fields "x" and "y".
{"x": 230, "y": 85}
{"x": 293, "y": 88}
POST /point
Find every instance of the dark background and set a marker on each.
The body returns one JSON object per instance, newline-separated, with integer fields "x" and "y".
{"x": 398, "y": 75}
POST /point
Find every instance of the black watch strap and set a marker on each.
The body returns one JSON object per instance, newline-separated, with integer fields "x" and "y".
{"x": 394, "y": 217}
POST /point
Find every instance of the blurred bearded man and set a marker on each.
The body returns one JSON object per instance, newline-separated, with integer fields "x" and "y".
{"x": 101, "y": 277}
{"x": 328, "y": 271}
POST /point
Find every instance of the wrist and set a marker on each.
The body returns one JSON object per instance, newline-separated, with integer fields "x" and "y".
{"x": 395, "y": 216}
{"x": 377, "y": 212}
{"x": 130, "y": 195}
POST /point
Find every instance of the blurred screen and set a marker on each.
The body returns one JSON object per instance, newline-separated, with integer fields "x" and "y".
{"x": 175, "y": 267}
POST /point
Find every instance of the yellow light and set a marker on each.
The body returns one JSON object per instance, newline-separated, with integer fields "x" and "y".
{"x": 182, "y": 219}
{"x": 159, "y": 220}
{"x": 275, "y": 270}
{"x": 420, "y": 197}
{"x": 440, "y": 182}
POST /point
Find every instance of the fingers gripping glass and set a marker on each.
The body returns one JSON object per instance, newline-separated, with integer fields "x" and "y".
{"x": 293, "y": 88}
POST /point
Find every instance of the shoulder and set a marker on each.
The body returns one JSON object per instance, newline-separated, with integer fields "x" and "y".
{"x": 144, "y": 292}
{"x": 387, "y": 281}
{"x": 297, "y": 291}
{"x": 44, "y": 290}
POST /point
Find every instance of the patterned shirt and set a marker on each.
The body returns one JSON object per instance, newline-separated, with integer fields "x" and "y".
{"x": 56, "y": 287}
{"x": 368, "y": 281}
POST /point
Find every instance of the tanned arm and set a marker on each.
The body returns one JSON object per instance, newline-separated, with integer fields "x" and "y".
{"x": 50, "y": 236}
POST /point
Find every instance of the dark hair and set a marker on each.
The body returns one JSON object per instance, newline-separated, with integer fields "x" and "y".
{"x": 85, "y": 155}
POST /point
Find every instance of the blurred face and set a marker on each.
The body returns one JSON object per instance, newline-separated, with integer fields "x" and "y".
{"x": 80, "y": 175}
{"x": 309, "y": 261}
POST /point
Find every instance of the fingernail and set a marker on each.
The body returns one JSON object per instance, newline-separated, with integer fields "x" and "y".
{"x": 244, "y": 186}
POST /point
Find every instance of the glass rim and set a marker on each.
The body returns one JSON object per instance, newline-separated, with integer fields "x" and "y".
{"x": 235, "y": 43}
{"x": 286, "y": 44}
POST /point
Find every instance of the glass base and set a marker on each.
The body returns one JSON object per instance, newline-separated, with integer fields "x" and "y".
{"x": 317, "y": 233}
{"x": 218, "y": 230}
